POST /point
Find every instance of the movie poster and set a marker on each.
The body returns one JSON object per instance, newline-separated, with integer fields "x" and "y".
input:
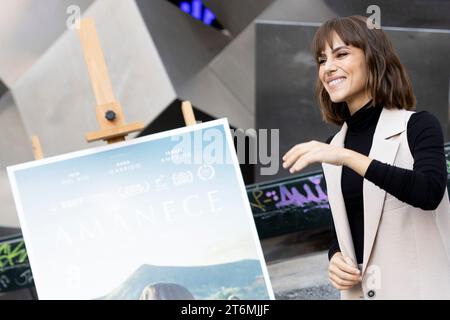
{"x": 159, "y": 217}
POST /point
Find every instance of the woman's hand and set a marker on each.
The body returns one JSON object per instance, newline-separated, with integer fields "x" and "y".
{"x": 307, "y": 153}
{"x": 304, "y": 154}
{"x": 342, "y": 272}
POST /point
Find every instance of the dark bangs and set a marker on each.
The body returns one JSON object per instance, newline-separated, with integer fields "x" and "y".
{"x": 348, "y": 30}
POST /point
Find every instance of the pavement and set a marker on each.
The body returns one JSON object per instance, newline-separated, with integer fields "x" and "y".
{"x": 302, "y": 278}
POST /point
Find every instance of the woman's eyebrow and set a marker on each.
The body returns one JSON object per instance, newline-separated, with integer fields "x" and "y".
{"x": 338, "y": 48}
{"x": 323, "y": 54}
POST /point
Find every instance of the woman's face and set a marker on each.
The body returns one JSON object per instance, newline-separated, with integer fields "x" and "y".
{"x": 343, "y": 72}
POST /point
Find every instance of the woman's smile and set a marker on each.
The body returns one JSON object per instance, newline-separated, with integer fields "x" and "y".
{"x": 335, "y": 82}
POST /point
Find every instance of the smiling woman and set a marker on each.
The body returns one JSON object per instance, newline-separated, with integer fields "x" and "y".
{"x": 385, "y": 170}
{"x": 343, "y": 72}
{"x": 345, "y": 49}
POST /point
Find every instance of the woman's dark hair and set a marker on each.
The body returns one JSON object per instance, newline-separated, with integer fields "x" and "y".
{"x": 388, "y": 82}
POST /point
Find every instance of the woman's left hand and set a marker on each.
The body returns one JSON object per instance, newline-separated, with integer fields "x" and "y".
{"x": 304, "y": 154}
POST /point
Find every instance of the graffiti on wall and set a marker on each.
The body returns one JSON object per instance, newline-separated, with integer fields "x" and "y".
{"x": 15, "y": 272}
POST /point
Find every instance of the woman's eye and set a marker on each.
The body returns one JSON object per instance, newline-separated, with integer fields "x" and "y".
{"x": 342, "y": 54}
{"x": 320, "y": 61}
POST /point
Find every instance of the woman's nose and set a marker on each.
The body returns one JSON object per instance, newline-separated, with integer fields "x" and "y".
{"x": 329, "y": 66}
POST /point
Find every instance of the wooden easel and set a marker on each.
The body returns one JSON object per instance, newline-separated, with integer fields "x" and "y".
{"x": 113, "y": 127}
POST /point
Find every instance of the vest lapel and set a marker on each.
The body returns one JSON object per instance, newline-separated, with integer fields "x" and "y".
{"x": 335, "y": 199}
{"x": 384, "y": 148}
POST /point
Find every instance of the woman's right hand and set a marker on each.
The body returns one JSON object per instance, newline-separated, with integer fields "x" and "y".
{"x": 342, "y": 272}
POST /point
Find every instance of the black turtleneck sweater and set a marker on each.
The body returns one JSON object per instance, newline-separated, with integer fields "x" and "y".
{"x": 422, "y": 187}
